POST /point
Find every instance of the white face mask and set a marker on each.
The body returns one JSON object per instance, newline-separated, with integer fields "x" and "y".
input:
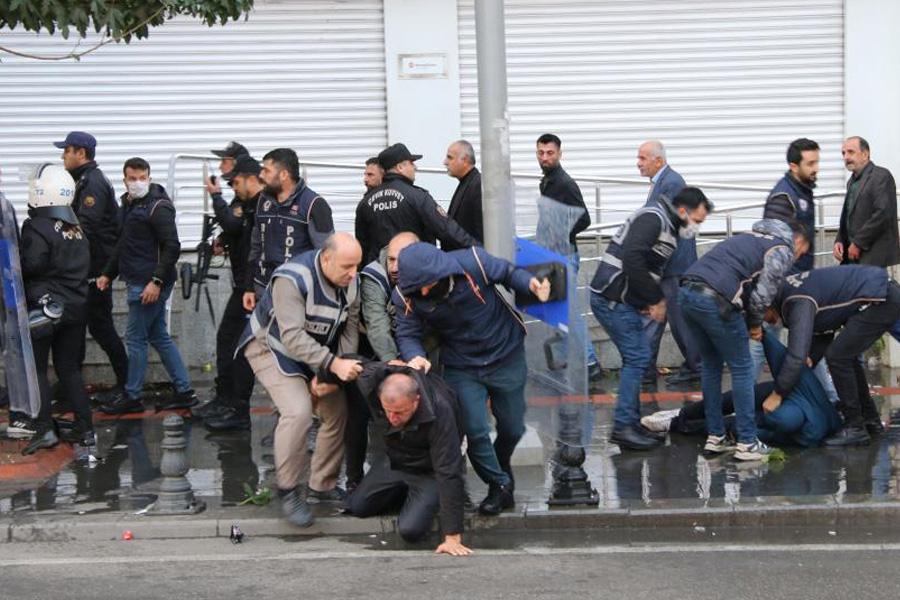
{"x": 689, "y": 231}
{"x": 138, "y": 189}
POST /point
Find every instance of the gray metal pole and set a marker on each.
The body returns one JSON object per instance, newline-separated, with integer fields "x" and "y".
{"x": 497, "y": 190}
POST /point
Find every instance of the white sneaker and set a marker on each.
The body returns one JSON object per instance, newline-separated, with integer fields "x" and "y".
{"x": 719, "y": 444}
{"x": 755, "y": 451}
{"x": 660, "y": 420}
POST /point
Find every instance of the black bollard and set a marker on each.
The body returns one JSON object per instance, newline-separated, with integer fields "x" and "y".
{"x": 571, "y": 485}
{"x": 175, "y": 494}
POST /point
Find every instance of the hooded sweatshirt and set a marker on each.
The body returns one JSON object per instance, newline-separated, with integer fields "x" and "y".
{"x": 478, "y": 329}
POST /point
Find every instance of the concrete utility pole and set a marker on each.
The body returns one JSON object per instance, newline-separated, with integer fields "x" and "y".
{"x": 497, "y": 190}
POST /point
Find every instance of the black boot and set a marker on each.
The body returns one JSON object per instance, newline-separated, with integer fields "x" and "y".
{"x": 499, "y": 498}
{"x": 631, "y": 437}
{"x": 230, "y": 418}
{"x": 851, "y": 435}
{"x": 214, "y": 407}
{"x": 44, "y": 438}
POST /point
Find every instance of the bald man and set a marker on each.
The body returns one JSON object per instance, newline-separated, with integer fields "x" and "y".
{"x": 666, "y": 182}
{"x": 307, "y": 318}
{"x": 424, "y": 472}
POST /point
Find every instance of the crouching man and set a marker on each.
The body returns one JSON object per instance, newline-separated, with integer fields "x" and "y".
{"x": 424, "y": 472}
{"x": 305, "y": 320}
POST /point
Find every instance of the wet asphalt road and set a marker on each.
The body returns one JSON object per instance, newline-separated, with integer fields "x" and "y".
{"x": 332, "y": 568}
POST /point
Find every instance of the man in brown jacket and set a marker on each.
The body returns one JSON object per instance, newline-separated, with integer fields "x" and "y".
{"x": 868, "y": 233}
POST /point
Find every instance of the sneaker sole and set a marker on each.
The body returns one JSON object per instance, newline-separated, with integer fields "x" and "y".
{"x": 19, "y": 434}
{"x": 654, "y": 427}
{"x": 719, "y": 449}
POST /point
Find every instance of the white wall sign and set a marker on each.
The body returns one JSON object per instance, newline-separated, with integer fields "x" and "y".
{"x": 423, "y": 66}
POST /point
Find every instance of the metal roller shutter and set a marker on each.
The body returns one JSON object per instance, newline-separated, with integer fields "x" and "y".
{"x": 309, "y": 75}
{"x": 725, "y": 85}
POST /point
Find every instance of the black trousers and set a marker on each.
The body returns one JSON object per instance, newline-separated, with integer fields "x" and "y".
{"x": 842, "y": 356}
{"x": 356, "y": 433}
{"x": 65, "y": 343}
{"x": 383, "y": 490}
{"x": 103, "y": 330}
{"x": 234, "y": 377}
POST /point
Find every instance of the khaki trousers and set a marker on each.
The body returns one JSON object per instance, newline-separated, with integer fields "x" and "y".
{"x": 295, "y": 404}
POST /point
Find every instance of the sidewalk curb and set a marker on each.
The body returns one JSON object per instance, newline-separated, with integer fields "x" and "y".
{"x": 835, "y": 516}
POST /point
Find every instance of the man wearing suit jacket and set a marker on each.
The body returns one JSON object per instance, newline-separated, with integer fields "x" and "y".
{"x": 667, "y": 182}
{"x": 465, "y": 207}
{"x": 868, "y": 232}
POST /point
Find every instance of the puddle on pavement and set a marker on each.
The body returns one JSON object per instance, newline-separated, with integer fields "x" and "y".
{"x": 126, "y": 478}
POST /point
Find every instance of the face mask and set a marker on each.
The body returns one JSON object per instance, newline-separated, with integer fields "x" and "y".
{"x": 689, "y": 231}
{"x": 138, "y": 189}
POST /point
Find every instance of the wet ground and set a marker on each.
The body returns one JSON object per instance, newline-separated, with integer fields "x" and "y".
{"x": 125, "y": 476}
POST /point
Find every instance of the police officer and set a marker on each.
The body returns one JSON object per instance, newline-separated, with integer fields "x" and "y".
{"x": 724, "y": 296}
{"x": 398, "y": 205}
{"x": 55, "y": 257}
{"x": 229, "y": 156}
{"x": 307, "y": 317}
{"x": 860, "y": 302}
{"x": 98, "y": 215}
{"x": 230, "y": 408}
{"x": 290, "y": 219}
{"x": 628, "y": 284}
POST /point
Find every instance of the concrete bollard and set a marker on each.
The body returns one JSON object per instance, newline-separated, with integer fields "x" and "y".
{"x": 175, "y": 494}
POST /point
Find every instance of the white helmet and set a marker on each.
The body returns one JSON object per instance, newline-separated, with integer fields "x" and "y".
{"x": 50, "y": 185}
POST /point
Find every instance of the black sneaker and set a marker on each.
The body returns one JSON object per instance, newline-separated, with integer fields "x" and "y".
{"x": 21, "y": 426}
{"x": 874, "y": 426}
{"x": 333, "y": 495}
{"x": 230, "y": 418}
{"x": 44, "y": 438}
{"x": 185, "y": 399}
{"x": 122, "y": 404}
{"x": 499, "y": 498}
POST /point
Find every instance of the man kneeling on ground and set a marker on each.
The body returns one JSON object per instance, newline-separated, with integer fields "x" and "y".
{"x": 423, "y": 475}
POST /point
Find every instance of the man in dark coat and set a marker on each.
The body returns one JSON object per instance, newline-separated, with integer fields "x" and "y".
{"x": 465, "y": 206}
{"x": 424, "y": 474}
{"x": 868, "y": 232}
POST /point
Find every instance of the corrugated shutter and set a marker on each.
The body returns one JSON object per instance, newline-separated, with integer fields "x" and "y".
{"x": 309, "y": 75}
{"x": 725, "y": 85}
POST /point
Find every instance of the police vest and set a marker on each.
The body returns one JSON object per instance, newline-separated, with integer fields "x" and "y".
{"x": 376, "y": 272}
{"x": 139, "y": 253}
{"x": 327, "y": 311}
{"x": 838, "y": 292}
{"x": 734, "y": 263}
{"x": 610, "y": 269}
{"x": 283, "y": 229}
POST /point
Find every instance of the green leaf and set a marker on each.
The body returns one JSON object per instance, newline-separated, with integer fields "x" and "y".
{"x": 777, "y": 454}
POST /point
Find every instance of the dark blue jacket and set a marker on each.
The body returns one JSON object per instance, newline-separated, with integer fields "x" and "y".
{"x": 669, "y": 184}
{"x": 478, "y": 329}
{"x": 820, "y": 418}
{"x": 802, "y": 199}
{"x": 149, "y": 245}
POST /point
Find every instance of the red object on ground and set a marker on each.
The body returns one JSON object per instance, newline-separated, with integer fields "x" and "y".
{"x": 127, "y": 536}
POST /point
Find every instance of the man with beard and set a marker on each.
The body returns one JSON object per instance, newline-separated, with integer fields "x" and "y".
{"x": 234, "y": 379}
{"x": 290, "y": 220}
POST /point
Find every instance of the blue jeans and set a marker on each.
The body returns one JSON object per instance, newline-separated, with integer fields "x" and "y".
{"x": 625, "y": 328}
{"x": 722, "y": 339}
{"x": 505, "y": 386}
{"x": 574, "y": 263}
{"x": 147, "y": 323}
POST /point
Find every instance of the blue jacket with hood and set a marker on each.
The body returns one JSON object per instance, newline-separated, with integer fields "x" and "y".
{"x": 478, "y": 329}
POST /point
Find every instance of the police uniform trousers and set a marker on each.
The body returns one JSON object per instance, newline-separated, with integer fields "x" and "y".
{"x": 295, "y": 405}
{"x": 234, "y": 378}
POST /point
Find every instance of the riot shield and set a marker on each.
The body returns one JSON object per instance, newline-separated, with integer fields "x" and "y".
{"x": 556, "y": 352}
{"x": 18, "y": 355}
